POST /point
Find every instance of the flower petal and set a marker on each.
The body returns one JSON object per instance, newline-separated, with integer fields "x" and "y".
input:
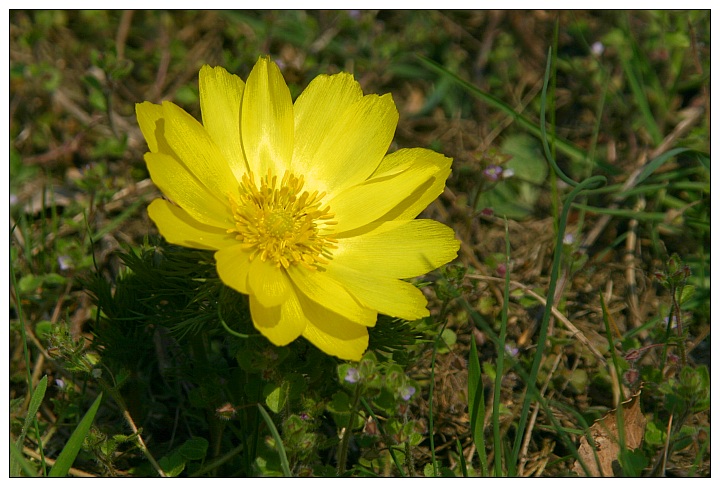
{"x": 220, "y": 99}
{"x": 268, "y": 283}
{"x": 411, "y": 207}
{"x": 181, "y": 186}
{"x": 399, "y": 249}
{"x": 387, "y": 295}
{"x": 319, "y": 287}
{"x": 267, "y": 120}
{"x": 354, "y": 146}
{"x": 233, "y": 266}
{"x": 319, "y": 108}
{"x": 333, "y": 334}
{"x": 279, "y": 324}
{"x": 148, "y": 115}
{"x": 376, "y": 197}
{"x": 194, "y": 147}
{"x": 179, "y": 228}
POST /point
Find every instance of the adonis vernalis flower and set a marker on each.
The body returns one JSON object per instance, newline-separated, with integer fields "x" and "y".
{"x": 306, "y": 213}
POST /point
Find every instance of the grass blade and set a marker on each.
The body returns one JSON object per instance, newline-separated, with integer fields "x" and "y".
{"x": 35, "y": 401}
{"x": 16, "y": 457}
{"x": 72, "y": 448}
{"x": 278, "y": 441}
{"x": 476, "y": 406}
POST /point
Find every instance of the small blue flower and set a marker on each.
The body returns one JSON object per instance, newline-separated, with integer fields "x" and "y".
{"x": 406, "y": 392}
{"x": 352, "y": 375}
{"x": 65, "y": 262}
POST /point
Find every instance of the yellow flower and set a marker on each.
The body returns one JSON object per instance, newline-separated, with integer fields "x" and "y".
{"x": 306, "y": 212}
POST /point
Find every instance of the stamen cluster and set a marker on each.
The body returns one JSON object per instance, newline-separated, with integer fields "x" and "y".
{"x": 283, "y": 223}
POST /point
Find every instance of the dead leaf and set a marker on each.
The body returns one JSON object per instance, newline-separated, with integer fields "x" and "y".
{"x": 607, "y": 446}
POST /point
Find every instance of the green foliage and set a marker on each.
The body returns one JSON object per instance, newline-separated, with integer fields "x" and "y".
{"x": 72, "y": 447}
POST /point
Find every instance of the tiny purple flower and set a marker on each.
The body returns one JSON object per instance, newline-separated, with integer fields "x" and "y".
{"x": 597, "y": 48}
{"x": 569, "y": 239}
{"x": 492, "y": 173}
{"x": 511, "y": 350}
{"x": 65, "y": 262}
{"x": 352, "y": 375}
{"x": 406, "y": 392}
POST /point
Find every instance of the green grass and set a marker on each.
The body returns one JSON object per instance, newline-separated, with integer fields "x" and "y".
{"x": 603, "y": 119}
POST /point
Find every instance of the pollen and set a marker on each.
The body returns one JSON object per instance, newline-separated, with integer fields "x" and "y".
{"x": 281, "y": 223}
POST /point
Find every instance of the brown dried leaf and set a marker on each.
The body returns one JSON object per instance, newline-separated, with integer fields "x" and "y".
{"x": 607, "y": 446}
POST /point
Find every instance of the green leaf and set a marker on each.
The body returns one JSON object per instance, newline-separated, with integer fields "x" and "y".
{"x": 72, "y": 448}
{"x": 476, "y": 406}
{"x": 632, "y": 462}
{"x": 276, "y": 396}
{"x": 527, "y": 160}
{"x": 686, "y": 294}
{"x": 173, "y": 464}
{"x": 194, "y": 448}
{"x": 449, "y": 338}
{"x": 35, "y": 401}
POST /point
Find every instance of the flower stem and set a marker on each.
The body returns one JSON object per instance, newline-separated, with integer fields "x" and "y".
{"x": 345, "y": 442}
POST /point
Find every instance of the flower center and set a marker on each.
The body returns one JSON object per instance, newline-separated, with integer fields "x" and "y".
{"x": 282, "y": 223}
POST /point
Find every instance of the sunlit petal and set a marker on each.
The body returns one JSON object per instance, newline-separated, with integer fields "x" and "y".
{"x": 400, "y": 249}
{"x": 220, "y": 99}
{"x": 333, "y": 334}
{"x": 187, "y": 191}
{"x": 179, "y": 228}
{"x": 268, "y": 282}
{"x": 389, "y": 296}
{"x": 266, "y": 121}
{"x": 322, "y": 289}
{"x": 194, "y": 147}
{"x": 233, "y": 266}
{"x": 279, "y": 324}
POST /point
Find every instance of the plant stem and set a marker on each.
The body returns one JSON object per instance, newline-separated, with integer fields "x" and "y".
{"x": 345, "y": 443}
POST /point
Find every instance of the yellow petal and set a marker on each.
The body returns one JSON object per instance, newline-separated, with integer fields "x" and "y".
{"x": 268, "y": 283}
{"x": 375, "y": 198}
{"x": 147, "y": 116}
{"x": 267, "y": 120}
{"x": 319, "y": 108}
{"x": 333, "y": 334}
{"x": 279, "y": 324}
{"x": 394, "y": 162}
{"x": 233, "y": 265}
{"x": 400, "y": 249}
{"x": 319, "y": 287}
{"x": 179, "y": 228}
{"x": 354, "y": 146}
{"x": 194, "y": 147}
{"x": 220, "y": 98}
{"x": 178, "y": 184}
{"x": 389, "y": 296}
